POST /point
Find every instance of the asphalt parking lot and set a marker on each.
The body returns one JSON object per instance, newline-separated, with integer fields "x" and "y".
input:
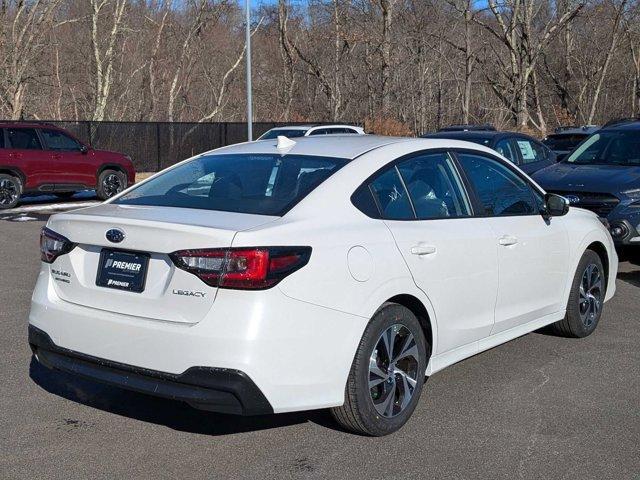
{"x": 537, "y": 407}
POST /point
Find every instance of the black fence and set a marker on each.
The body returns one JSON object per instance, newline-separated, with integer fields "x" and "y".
{"x": 157, "y": 145}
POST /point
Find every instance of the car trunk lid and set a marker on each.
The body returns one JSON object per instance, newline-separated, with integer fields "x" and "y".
{"x": 168, "y": 294}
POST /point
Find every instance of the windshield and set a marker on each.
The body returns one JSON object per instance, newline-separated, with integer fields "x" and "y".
{"x": 263, "y": 184}
{"x": 608, "y": 148}
{"x": 289, "y": 133}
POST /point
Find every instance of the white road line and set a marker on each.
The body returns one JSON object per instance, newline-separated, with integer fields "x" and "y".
{"x": 48, "y": 207}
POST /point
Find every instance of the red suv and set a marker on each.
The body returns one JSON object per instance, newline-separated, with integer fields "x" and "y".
{"x": 42, "y": 158}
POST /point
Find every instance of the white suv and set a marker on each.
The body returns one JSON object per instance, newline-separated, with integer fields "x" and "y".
{"x": 277, "y": 276}
{"x": 295, "y": 131}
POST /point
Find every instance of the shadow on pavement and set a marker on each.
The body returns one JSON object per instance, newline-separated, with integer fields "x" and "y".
{"x": 173, "y": 414}
{"x": 53, "y": 199}
{"x": 632, "y": 278}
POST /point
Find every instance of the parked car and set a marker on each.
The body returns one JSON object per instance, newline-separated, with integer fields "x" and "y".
{"x": 603, "y": 175}
{"x": 314, "y": 274}
{"x": 37, "y": 158}
{"x": 522, "y": 150}
{"x": 294, "y": 131}
{"x": 565, "y": 139}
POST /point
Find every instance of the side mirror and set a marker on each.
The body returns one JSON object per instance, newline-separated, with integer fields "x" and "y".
{"x": 84, "y": 149}
{"x": 555, "y": 205}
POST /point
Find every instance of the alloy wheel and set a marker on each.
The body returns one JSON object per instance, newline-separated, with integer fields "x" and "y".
{"x": 590, "y": 295}
{"x": 393, "y": 370}
{"x": 9, "y": 191}
{"x": 112, "y": 184}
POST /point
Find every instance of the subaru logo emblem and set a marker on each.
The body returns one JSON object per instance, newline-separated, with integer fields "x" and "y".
{"x": 573, "y": 199}
{"x": 115, "y": 235}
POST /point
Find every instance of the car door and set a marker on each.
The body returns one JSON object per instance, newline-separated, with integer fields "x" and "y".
{"x": 451, "y": 254}
{"x": 534, "y": 156}
{"x": 533, "y": 251}
{"x": 72, "y": 166}
{"x": 4, "y": 151}
{"x": 26, "y": 153}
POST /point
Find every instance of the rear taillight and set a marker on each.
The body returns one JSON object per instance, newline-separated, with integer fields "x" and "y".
{"x": 52, "y": 245}
{"x": 242, "y": 268}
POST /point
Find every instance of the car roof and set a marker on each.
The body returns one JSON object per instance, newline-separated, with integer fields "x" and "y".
{"x": 631, "y": 126}
{"x": 293, "y": 127}
{"x": 461, "y": 134}
{"x": 16, "y": 124}
{"x": 339, "y": 146}
{"x": 312, "y": 127}
{"x": 586, "y": 130}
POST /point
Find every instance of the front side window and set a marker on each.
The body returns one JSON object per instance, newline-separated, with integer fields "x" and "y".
{"x": 608, "y": 148}
{"x": 1, "y": 138}
{"x": 23, "y": 139}
{"x": 262, "y": 184}
{"x": 500, "y": 190}
{"x": 505, "y": 148}
{"x": 435, "y": 189}
{"x": 391, "y": 196}
{"x": 57, "y": 140}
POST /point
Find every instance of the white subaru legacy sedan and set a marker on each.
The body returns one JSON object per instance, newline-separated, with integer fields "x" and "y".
{"x": 333, "y": 272}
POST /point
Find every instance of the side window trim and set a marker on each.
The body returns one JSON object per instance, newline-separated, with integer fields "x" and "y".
{"x": 406, "y": 191}
{"x": 474, "y": 203}
{"x": 482, "y": 213}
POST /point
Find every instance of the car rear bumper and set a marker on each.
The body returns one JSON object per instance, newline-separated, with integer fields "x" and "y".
{"x": 298, "y": 355}
{"x": 214, "y": 389}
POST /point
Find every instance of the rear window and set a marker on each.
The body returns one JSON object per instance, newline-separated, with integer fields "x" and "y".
{"x": 564, "y": 142}
{"x": 262, "y": 184}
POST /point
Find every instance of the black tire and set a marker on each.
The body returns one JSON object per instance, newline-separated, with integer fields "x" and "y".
{"x": 359, "y": 414}
{"x": 64, "y": 195}
{"x": 579, "y": 321}
{"x": 10, "y": 191}
{"x": 110, "y": 183}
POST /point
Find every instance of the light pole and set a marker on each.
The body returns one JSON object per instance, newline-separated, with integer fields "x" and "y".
{"x": 248, "y": 46}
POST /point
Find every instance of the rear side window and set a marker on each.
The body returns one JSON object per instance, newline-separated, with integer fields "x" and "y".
{"x": 1, "y": 138}
{"x": 260, "y": 184}
{"x": 531, "y": 151}
{"x": 500, "y": 190}
{"x": 23, "y": 139}
{"x": 57, "y": 140}
{"x": 434, "y": 187}
{"x": 391, "y": 196}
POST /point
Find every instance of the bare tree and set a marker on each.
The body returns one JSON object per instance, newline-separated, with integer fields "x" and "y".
{"x": 24, "y": 29}
{"x": 104, "y": 45}
{"x": 515, "y": 27}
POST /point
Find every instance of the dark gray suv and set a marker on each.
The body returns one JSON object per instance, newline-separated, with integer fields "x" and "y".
{"x": 603, "y": 175}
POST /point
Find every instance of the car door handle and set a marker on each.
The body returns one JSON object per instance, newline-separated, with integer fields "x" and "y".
{"x": 507, "y": 240}
{"x": 423, "y": 249}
